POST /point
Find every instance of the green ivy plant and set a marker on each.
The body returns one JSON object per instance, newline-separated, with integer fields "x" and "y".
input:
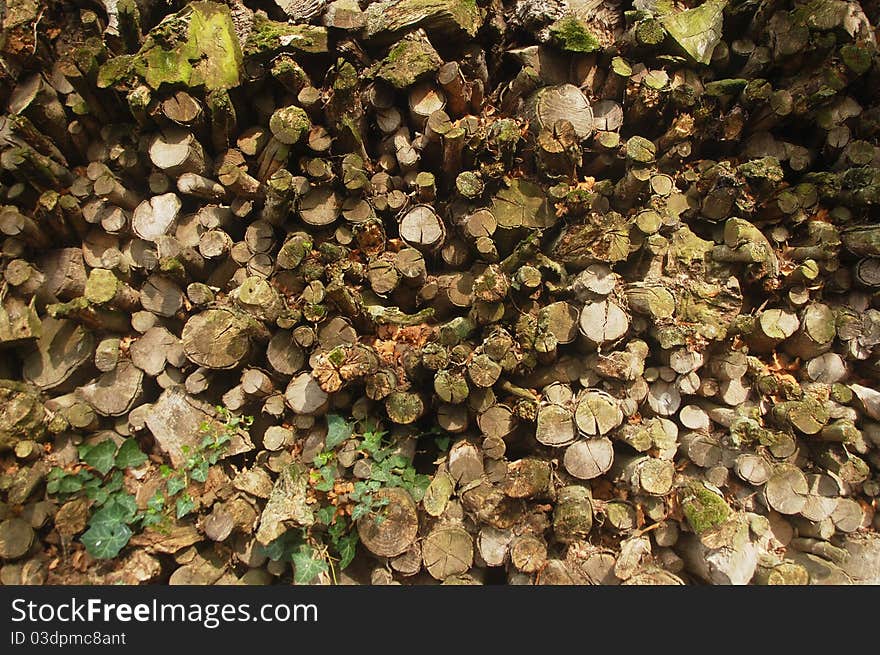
{"x": 114, "y": 515}
{"x": 330, "y": 544}
{"x": 99, "y": 478}
{"x": 215, "y": 438}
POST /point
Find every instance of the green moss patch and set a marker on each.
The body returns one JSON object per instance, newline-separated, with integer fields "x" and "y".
{"x": 703, "y": 509}
{"x": 571, "y": 34}
{"x": 270, "y": 37}
{"x": 195, "y": 47}
{"x": 407, "y": 62}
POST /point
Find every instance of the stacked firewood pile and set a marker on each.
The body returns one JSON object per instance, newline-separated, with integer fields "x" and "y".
{"x": 553, "y": 291}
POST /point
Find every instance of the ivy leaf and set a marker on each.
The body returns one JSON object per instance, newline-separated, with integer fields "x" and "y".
{"x": 175, "y": 484}
{"x": 200, "y": 473}
{"x": 184, "y": 506}
{"x": 380, "y": 454}
{"x": 129, "y": 455}
{"x": 280, "y": 547}
{"x": 100, "y": 456}
{"x": 328, "y": 475}
{"x": 378, "y": 474}
{"x": 337, "y": 530}
{"x": 120, "y": 507}
{"x": 60, "y": 481}
{"x": 419, "y": 487}
{"x": 274, "y": 550}
{"x": 157, "y": 502}
{"x": 98, "y": 495}
{"x": 104, "y": 540}
{"x": 322, "y": 458}
{"x": 154, "y": 513}
{"x": 360, "y": 510}
{"x": 69, "y": 484}
{"x": 101, "y": 493}
{"x": 55, "y": 474}
{"x": 325, "y": 514}
{"x": 338, "y": 430}
{"x": 306, "y": 566}
{"x": 114, "y": 484}
{"x": 442, "y": 443}
{"x": 346, "y": 547}
{"x": 150, "y": 519}
{"x": 88, "y": 480}
{"x": 372, "y": 441}
{"x": 108, "y": 531}
{"x": 398, "y": 462}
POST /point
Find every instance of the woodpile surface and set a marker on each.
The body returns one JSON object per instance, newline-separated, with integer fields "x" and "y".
{"x": 459, "y": 291}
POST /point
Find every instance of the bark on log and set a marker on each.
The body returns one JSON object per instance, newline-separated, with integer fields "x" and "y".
{"x": 573, "y": 514}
